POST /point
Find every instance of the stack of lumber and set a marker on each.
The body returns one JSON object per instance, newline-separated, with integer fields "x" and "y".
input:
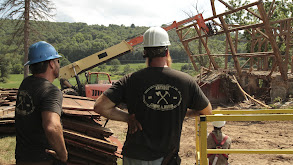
{"x": 7, "y": 106}
{"x": 87, "y": 141}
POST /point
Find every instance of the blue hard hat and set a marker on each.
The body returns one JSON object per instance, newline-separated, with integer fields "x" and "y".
{"x": 41, "y": 51}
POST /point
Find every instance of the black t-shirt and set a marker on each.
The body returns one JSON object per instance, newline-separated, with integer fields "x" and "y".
{"x": 159, "y": 98}
{"x": 35, "y": 95}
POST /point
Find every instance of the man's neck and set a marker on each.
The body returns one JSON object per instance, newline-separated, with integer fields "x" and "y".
{"x": 45, "y": 76}
{"x": 158, "y": 62}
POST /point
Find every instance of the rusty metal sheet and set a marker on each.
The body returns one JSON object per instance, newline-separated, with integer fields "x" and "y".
{"x": 119, "y": 145}
{"x": 90, "y": 129}
{"x": 80, "y": 113}
{"x": 82, "y": 156}
{"x": 96, "y": 151}
{"x": 7, "y": 126}
{"x": 69, "y": 103}
{"x": 94, "y": 142}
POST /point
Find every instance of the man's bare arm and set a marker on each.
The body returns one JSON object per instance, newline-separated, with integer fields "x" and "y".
{"x": 206, "y": 111}
{"x": 105, "y": 107}
{"x": 54, "y": 132}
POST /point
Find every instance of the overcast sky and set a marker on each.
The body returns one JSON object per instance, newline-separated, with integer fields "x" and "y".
{"x": 138, "y": 12}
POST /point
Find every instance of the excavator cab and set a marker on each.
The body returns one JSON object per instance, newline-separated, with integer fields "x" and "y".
{"x": 99, "y": 78}
{"x": 98, "y": 82}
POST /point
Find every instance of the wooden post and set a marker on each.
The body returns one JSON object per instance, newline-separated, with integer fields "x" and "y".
{"x": 272, "y": 40}
{"x": 215, "y": 65}
{"x": 252, "y": 47}
{"x": 213, "y": 7}
{"x": 288, "y": 39}
{"x": 185, "y": 45}
{"x": 266, "y": 59}
{"x": 226, "y": 52}
{"x": 233, "y": 51}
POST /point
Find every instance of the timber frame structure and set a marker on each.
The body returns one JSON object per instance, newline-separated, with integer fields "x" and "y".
{"x": 265, "y": 59}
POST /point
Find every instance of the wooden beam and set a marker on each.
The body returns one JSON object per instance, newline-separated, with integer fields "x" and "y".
{"x": 233, "y": 51}
{"x": 213, "y": 7}
{"x": 288, "y": 39}
{"x": 245, "y": 27}
{"x": 254, "y": 54}
{"x": 215, "y": 65}
{"x": 186, "y": 47}
{"x": 270, "y": 12}
{"x": 272, "y": 40}
{"x": 226, "y": 13}
{"x": 229, "y": 30}
{"x": 262, "y": 33}
{"x": 235, "y": 10}
{"x": 245, "y": 63}
{"x": 227, "y": 5}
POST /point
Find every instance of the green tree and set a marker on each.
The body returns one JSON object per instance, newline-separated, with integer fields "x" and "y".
{"x": 101, "y": 68}
{"x": 5, "y": 67}
{"x": 114, "y": 69}
{"x": 127, "y": 69}
{"x": 24, "y": 11}
{"x": 114, "y": 62}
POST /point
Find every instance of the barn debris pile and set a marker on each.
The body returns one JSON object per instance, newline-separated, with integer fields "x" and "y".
{"x": 253, "y": 90}
{"x": 87, "y": 141}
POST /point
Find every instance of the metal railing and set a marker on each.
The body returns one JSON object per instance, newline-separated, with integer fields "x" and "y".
{"x": 237, "y": 115}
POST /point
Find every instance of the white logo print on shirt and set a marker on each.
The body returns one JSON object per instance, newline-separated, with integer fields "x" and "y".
{"x": 162, "y": 97}
{"x": 25, "y": 104}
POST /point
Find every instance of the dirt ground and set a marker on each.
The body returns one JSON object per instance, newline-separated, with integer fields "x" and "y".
{"x": 245, "y": 135}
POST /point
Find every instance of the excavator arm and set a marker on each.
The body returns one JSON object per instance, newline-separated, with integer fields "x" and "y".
{"x": 198, "y": 18}
{"x": 87, "y": 63}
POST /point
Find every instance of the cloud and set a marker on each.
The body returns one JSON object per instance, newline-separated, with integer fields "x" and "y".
{"x": 127, "y": 12}
{"x": 63, "y": 17}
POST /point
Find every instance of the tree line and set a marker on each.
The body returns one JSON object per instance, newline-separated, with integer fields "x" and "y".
{"x": 75, "y": 41}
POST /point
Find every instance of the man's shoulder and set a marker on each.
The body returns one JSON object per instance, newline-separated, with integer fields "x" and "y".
{"x": 181, "y": 75}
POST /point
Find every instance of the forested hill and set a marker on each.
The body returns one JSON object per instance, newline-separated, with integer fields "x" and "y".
{"x": 78, "y": 40}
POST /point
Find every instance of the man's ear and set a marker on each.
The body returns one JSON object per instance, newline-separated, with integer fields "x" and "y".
{"x": 167, "y": 52}
{"x": 51, "y": 63}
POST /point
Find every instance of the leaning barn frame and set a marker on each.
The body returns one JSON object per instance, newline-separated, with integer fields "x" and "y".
{"x": 266, "y": 36}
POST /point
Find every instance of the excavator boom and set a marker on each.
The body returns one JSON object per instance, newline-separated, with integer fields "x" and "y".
{"x": 92, "y": 61}
{"x": 198, "y": 18}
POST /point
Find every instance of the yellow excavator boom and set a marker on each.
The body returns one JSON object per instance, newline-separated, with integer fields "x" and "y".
{"x": 94, "y": 60}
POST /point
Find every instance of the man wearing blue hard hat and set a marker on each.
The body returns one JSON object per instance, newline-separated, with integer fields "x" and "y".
{"x": 39, "y": 133}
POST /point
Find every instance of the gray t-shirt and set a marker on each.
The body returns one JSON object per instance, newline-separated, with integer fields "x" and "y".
{"x": 35, "y": 95}
{"x": 159, "y": 98}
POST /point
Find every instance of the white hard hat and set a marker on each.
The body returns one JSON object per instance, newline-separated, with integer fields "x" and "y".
{"x": 219, "y": 124}
{"x": 155, "y": 37}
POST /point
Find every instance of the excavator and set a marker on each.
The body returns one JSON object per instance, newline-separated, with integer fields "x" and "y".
{"x": 92, "y": 88}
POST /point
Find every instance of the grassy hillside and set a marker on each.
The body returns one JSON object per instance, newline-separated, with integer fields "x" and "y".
{"x": 14, "y": 80}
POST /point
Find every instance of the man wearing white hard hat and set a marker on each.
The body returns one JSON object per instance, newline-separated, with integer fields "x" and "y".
{"x": 218, "y": 140}
{"x": 157, "y": 98}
